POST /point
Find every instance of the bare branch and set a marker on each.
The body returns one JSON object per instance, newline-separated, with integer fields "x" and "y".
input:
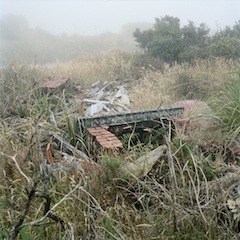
{"x": 36, "y": 222}
{"x": 18, "y": 167}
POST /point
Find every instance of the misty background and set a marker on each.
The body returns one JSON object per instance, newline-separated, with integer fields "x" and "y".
{"x": 48, "y": 31}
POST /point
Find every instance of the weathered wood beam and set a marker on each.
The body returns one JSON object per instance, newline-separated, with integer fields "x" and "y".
{"x": 131, "y": 117}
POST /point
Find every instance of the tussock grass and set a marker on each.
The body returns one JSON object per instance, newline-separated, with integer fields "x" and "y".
{"x": 226, "y": 103}
{"x": 181, "y": 81}
{"x": 19, "y": 85}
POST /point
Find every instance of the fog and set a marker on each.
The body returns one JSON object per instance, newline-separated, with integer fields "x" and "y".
{"x": 95, "y": 17}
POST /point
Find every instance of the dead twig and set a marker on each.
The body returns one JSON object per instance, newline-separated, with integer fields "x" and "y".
{"x": 18, "y": 167}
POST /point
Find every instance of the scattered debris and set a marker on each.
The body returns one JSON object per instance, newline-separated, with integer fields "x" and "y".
{"x": 73, "y": 163}
{"x": 65, "y": 146}
{"x": 49, "y": 151}
{"x": 105, "y": 138}
{"x": 109, "y": 98}
{"x": 143, "y": 165}
{"x": 55, "y": 83}
{"x": 234, "y": 206}
{"x": 95, "y": 108}
{"x": 65, "y": 162}
{"x": 103, "y": 128}
{"x": 128, "y": 118}
{"x": 214, "y": 148}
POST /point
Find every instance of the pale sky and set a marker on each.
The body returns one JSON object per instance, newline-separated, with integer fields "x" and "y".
{"x": 96, "y": 16}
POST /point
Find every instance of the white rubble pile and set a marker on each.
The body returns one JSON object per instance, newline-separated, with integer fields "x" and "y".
{"x": 107, "y": 99}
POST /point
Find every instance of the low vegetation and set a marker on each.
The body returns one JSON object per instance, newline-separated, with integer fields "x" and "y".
{"x": 190, "y": 193}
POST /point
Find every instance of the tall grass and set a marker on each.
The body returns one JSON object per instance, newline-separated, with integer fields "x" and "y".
{"x": 19, "y": 87}
{"x": 185, "y": 194}
{"x": 89, "y": 69}
{"x": 226, "y": 103}
{"x": 181, "y": 81}
{"x": 175, "y": 200}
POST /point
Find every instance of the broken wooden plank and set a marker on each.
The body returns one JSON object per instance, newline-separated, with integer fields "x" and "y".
{"x": 67, "y": 146}
{"x": 143, "y": 165}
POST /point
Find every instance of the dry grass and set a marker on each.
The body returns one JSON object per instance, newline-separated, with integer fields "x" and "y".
{"x": 151, "y": 91}
{"x": 18, "y": 84}
{"x": 87, "y": 70}
{"x": 184, "y": 196}
{"x": 179, "y": 82}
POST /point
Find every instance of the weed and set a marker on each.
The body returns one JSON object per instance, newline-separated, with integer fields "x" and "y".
{"x": 112, "y": 166}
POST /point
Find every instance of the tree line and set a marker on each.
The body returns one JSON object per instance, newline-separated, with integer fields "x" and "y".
{"x": 165, "y": 40}
{"x": 170, "y": 42}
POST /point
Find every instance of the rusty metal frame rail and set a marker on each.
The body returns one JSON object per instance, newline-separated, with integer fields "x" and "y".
{"x": 131, "y": 117}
